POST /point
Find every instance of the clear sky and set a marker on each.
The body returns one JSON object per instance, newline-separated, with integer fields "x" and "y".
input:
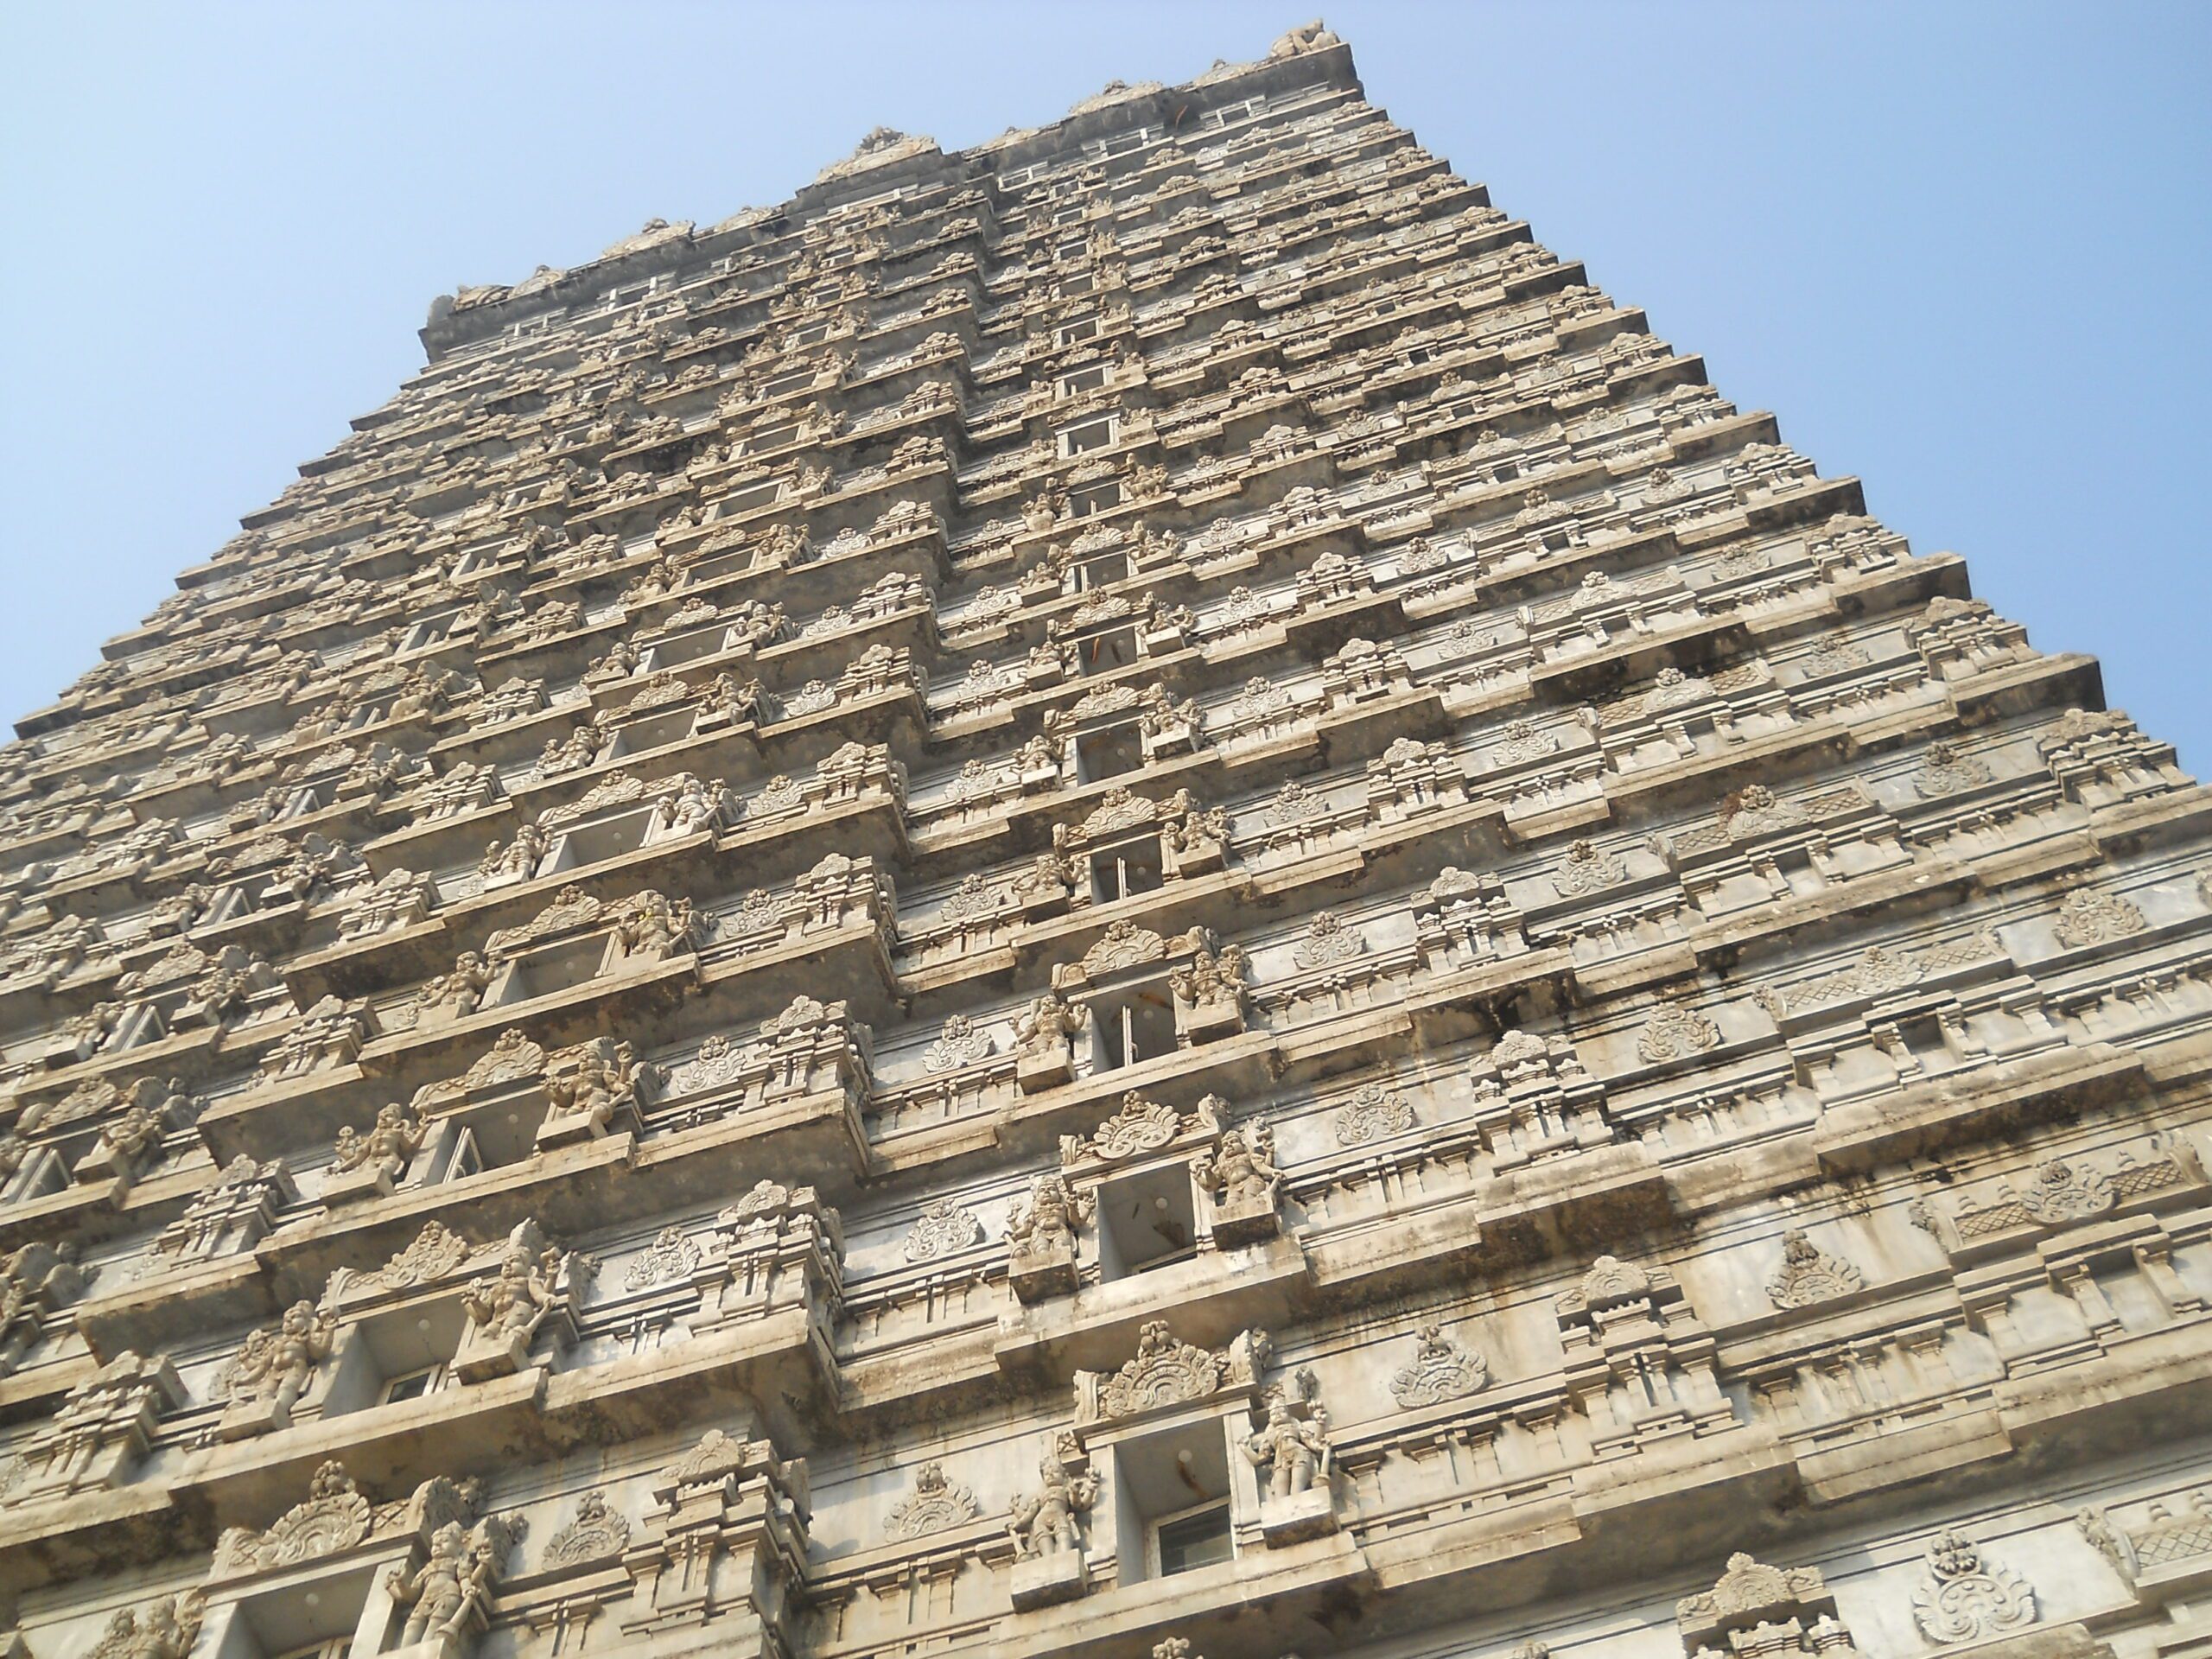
{"x": 1961, "y": 249}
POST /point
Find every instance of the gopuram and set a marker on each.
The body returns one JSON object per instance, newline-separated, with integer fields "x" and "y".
{"x": 1130, "y": 895}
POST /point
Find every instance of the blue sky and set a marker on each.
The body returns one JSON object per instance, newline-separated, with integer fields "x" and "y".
{"x": 1960, "y": 249}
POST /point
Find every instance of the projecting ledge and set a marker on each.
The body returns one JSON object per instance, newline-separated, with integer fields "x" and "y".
{"x": 1278, "y": 1600}
{"x": 1207, "y": 1299}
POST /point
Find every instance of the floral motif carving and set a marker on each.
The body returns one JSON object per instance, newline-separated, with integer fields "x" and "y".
{"x": 1586, "y": 869}
{"x": 1440, "y": 1370}
{"x": 960, "y": 1043}
{"x": 1291, "y": 805}
{"x": 1610, "y": 1281}
{"x": 1757, "y": 809}
{"x": 1965, "y": 1596}
{"x": 1833, "y": 656}
{"x": 717, "y": 1454}
{"x": 1163, "y": 1372}
{"x": 943, "y": 1227}
{"x": 2090, "y": 916}
{"x": 1751, "y": 1591}
{"x": 1675, "y": 1031}
{"x": 1523, "y": 741}
{"x": 1371, "y": 1114}
{"x": 1124, "y": 944}
{"x": 334, "y": 1516}
{"x": 765, "y": 1203}
{"x": 1810, "y": 1274}
{"x": 1140, "y": 1125}
{"x": 936, "y": 1505}
{"x": 672, "y": 1256}
{"x": 717, "y": 1061}
{"x": 1944, "y": 769}
{"x": 2061, "y": 1190}
{"x": 594, "y": 1532}
{"x": 436, "y": 1253}
{"x": 512, "y": 1058}
{"x": 1328, "y": 942}
{"x": 974, "y": 900}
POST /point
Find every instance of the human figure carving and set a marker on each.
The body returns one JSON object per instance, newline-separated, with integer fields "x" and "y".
{"x": 24, "y": 1276}
{"x": 441, "y": 1593}
{"x": 570, "y": 753}
{"x": 1241, "y": 1173}
{"x": 1290, "y": 1450}
{"x": 736, "y": 701}
{"x": 604, "y": 1079}
{"x": 1211, "y": 977}
{"x": 163, "y": 1630}
{"x": 460, "y": 992}
{"x": 692, "y": 808}
{"x": 512, "y": 1303}
{"x": 654, "y": 925}
{"x": 1047, "y": 1523}
{"x": 517, "y": 860}
{"x": 278, "y": 1366}
{"x": 132, "y": 1136}
{"x": 388, "y": 1147}
{"x": 1048, "y": 1022}
{"x": 1047, "y": 1226}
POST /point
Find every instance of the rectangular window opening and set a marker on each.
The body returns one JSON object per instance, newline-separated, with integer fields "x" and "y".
{"x": 1172, "y": 1501}
{"x": 1129, "y": 1029}
{"x": 1095, "y": 498}
{"x": 1110, "y": 754}
{"x": 1145, "y": 1221}
{"x": 1199, "y": 1537}
{"x": 1086, "y": 435}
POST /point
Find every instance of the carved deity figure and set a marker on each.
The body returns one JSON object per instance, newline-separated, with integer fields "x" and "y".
{"x": 163, "y": 1630}
{"x": 133, "y": 1136}
{"x": 278, "y": 1366}
{"x": 655, "y": 926}
{"x": 388, "y": 1146}
{"x": 692, "y": 808}
{"x": 1047, "y": 1523}
{"x": 1211, "y": 976}
{"x": 1048, "y": 877}
{"x": 735, "y": 700}
{"x": 570, "y": 753}
{"x": 517, "y": 860}
{"x": 1289, "y": 1450}
{"x": 1047, "y": 1226}
{"x": 1242, "y": 1174}
{"x": 29, "y": 1272}
{"x": 1046, "y": 1022}
{"x": 515, "y": 1300}
{"x": 441, "y": 1593}
{"x": 617, "y": 663}
{"x": 458, "y": 994}
{"x": 605, "y": 1079}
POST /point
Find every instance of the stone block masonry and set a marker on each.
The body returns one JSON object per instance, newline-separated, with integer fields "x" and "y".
{"x": 1131, "y": 894}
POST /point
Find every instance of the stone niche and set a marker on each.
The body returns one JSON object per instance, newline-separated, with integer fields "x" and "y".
{"x": 1756, "y": 1611}
{"x": 1200, "y": 1457}
{"x": 444, "y": 1312}
{"x": 1155, "y": 1186}
{"x": 416, "y": 1577}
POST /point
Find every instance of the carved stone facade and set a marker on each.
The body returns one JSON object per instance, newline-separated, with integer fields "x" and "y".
{"x": 1129, "y": 893}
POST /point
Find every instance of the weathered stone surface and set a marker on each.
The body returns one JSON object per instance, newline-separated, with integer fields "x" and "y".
{"x": 1141, "y": 849}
